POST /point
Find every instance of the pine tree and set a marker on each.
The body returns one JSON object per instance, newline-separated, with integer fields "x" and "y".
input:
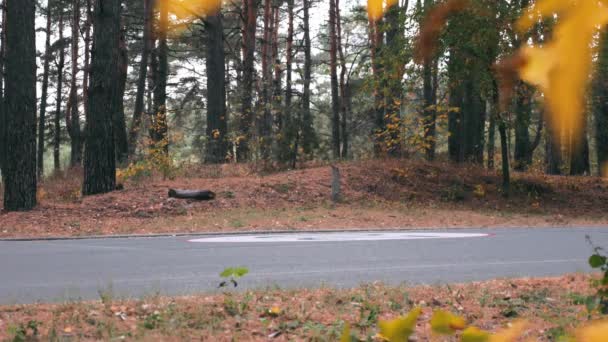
{"x": 99, "y": 156}
{"x": 19, "y": 169}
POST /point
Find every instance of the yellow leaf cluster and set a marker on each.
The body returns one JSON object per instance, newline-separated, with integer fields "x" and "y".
{"x": 561, "y": 67}
{"x": 400, "y": 328}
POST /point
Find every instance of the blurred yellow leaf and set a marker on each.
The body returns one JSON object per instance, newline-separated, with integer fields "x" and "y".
{"x": 274, "y": 311}
{"x": 346, "y": 333}
{"x": 596, "y": 332}
{"x": 561, "y": 67}
{"x": 510, "y": 334}
{"x": 446, "y": 323}
{"x": 473, "y": 334}
{"x": 376, "y": 8}
{"x": 186, "y": 9}
{"x": 400, "y": 328}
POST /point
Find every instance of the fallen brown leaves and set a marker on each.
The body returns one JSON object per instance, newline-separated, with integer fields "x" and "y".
{"x": 377, "y": 194}
{"x": 551, "y": 305}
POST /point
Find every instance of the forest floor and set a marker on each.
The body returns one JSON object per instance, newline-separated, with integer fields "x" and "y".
{"x": 377, "y": 194}
{"x": 550, "y": 306}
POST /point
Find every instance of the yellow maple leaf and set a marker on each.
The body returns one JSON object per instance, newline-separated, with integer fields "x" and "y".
{"x": 561, "y": 67}
{"x": 446, "y": 323}
{"x": 400, "y": 328}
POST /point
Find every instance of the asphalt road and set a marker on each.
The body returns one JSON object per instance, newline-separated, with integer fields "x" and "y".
{"x": 52, "y": 271}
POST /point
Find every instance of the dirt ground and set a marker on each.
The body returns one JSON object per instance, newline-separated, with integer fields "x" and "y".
{"x": 552, "y": 307}
{"x": 375, "y": 194}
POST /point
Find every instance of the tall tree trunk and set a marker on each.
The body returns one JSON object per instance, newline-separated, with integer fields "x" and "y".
{"x": 217, "y": 128}
{"x": 2, "y": 95}
{"x": 138, "y": 112}
{"x": 492, "y": 135}
{"x": 579, "y": 157}
{"x": 455, "y": 117}
{"x": 59, "y": 99}
{"x": 120, "y": 125}
{"x": 504, "y": 150}
{"x": 289, "y": 57}
{"x": 600, "y": 106}
{"x": 19, "y": 172}
{"x": 265, "y": 122}
{"x": 288, "y": 132}
{"x": 246, "y": 120}
{"x": 72, "y": 117}
{"x": 159, "y": 118}
{"x": 430, "y": 112}
{"x": 308, "y": 134}
{"x": 523, "y": 112}
{"x": 333, "y": 66}
{"x": 376, "y": 37}
{"x": 100, "y": 155}
{"x": 553, "y": 151}
{"x": 277, "y": 111}
{"x": 393, "y": 67}
{"x": 87, "y": 60}
{"x": 344, "y": 87}
{"x": 44, "y": 95}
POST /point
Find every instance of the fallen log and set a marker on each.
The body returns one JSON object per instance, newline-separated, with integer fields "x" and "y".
{"x": 200, "y": 195}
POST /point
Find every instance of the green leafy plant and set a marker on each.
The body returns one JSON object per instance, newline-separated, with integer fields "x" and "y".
{"x": 599, "y": 261}
{"x": 25, "y": 332}
{"x": 231, "y": 275}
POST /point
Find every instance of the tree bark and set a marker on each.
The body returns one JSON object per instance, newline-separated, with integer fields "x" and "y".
{"x": 504, "y": 148}
{"x": 19, "y": 172}
{"x": 100, "y": 155}
{"x": 159, "y": 118}
{"x": 246, "y": 120}
{"x": 492, "y": 135}
{"x": 333, "y": 66}
{"x": 265, "y": 122}
{"x": 308, "y": 133}
{"x": 277, "y": 100}
{"x": 72, "y": 117}
{"x": 523, "y": 112}
{"x": 87, "y": 60}
{"x": 44, "y": 95}
{"x": 59, "y": 100}
{"x": 579, "y": 151}
{"x": 344, "y": 87}
{"x": 429, "y": 110}
{"x": 2, "y": 63}
{"x": 553, "y": 151}
{"x": 120, "y": 124}
{"x": 600, "y": 105}
{"x": 138, "y": 112}
{"x": 217, "y": 128}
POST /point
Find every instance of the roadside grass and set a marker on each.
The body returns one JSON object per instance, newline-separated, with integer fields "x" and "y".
{"x": 552, "y": 306}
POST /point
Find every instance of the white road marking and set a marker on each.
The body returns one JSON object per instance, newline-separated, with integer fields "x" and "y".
{"x": 335, "y": 237}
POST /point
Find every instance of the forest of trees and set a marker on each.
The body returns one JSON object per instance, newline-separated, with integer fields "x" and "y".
{"x": 98, "y": 84}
